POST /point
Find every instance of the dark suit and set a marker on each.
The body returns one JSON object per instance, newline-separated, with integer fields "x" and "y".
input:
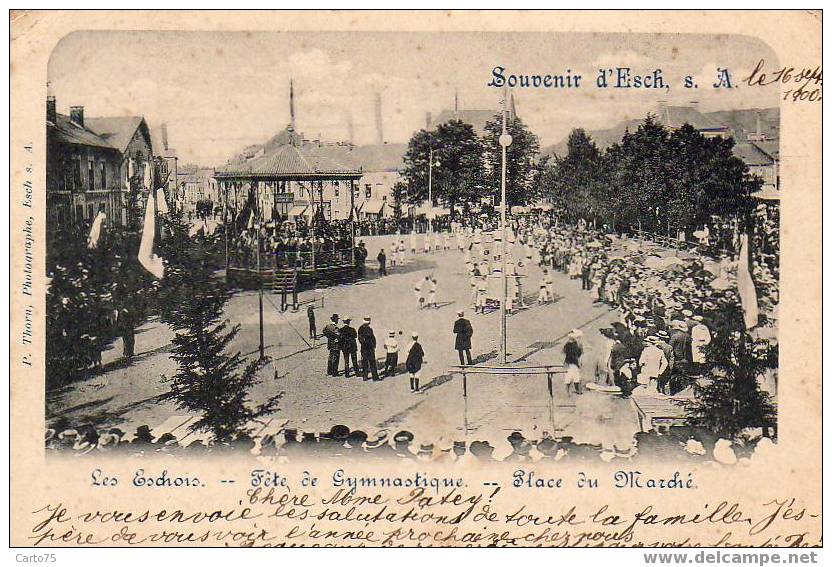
{"x": 347, "y": 340}
{"x": 330, "y": 331}
{"x": 463, "y": 331}
{"x": 367, "y": 339}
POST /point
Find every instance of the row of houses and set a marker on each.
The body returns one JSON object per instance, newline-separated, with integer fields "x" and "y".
{"x": 88, "y": 164}
{"x": 98, "y": 164}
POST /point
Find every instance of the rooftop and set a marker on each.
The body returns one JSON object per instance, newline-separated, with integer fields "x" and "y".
{"x": 117, "y": 130}
{"x": 68, "y": 132}
{"x": 289, "y": 162}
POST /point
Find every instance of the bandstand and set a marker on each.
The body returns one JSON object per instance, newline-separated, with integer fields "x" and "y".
{"x": 279, "y": 217}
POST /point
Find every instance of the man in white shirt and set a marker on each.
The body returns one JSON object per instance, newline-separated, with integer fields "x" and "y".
{"x": 700, "y": 337}
{"x": 652, "y": 364}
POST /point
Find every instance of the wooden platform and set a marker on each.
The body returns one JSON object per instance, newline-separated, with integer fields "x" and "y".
{"x": 660, "y": 413}
{"x": 304, "y": 278}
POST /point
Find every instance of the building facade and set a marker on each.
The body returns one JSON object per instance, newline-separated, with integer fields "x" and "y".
{"x": 83, "y": 171}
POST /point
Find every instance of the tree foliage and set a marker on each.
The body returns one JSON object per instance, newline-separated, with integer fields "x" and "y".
{"x": 210, "y": 381}
{"x": 732, "y": 400}
{"x": 521, "y": 161}
{"x": 456, "y": 175}
{"x": 653, "y": 178}
{"x": 87, "y": 289}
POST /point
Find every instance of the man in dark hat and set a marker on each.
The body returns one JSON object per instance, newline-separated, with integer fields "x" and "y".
{"x": 347, "y": 340}
{"x": 331, "y": 333}
{"x": 463, "y": 331}
{"x": 367, "y": 339}
{"x": 382, "y": 263}
{"x": 310, "y": 314}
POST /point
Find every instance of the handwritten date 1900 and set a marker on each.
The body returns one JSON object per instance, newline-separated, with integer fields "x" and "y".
{"x": 807, "y": 82}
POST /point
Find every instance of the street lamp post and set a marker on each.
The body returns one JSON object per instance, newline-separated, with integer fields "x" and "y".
{"x": 430, "y": 189}
{"x": 505, "y": 142}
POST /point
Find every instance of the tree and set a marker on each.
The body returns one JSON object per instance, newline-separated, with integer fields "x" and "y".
{"x": 88, "y": 287}
{"x": 707, "y": 179}
{"x": 457, "y": 170}
{"x": 209, "y": 381}
{"x": 732, "y": 401}
{"x": 521, "y": 158}
{"x": 576, "y": 180}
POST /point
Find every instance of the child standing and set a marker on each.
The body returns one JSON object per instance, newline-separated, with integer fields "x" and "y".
{"x": 391, "y": 347}
{"x": 415, "y": 359}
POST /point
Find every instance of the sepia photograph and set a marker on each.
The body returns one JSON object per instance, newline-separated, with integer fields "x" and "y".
{"x": 432, "y": 246}
{"x": 422, "y": 278}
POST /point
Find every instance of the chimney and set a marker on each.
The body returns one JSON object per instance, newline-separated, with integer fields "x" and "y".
{"x": 664, "y": 113}
{"x": 292, "y": 104}
{"x": 51, "y": 109}
{"x": 165, "y": 136}
{"x": 351, "y": 129}
{"x": 379, "y": 129}
{"x": 76, "y": 114}
{"x": 428, "y": 120}
{"x": 759, "y": 128}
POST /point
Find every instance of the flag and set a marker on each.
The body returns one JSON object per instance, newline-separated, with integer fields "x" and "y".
{"x": 151, "y": 262}
{"x": 251, "y": 221}
{"x": 95, "y": 231}
{"x": 162, "y": 206}
{"x": 148, "y": 176}
{"x": 745, "y": 284}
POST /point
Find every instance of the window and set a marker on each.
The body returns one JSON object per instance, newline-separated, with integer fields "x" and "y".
{"x": 76, "y": 173}
{"x": 91, "y": 175}
{"x": 103, "y": 174}
{"x": 368, "y": 191}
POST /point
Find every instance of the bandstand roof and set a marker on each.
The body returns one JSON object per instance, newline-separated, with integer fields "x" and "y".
{"x": 289, "y": 162}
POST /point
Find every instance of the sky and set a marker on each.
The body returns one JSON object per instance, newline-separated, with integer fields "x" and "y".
{"x": 221, "y": 91}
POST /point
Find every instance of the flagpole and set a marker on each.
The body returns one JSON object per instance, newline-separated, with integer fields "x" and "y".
{"x": 505, "y": 141}
{"x": 430, "y": 191}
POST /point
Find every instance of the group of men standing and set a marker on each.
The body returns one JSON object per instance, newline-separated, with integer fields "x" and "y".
{"x": 344, "y": 340}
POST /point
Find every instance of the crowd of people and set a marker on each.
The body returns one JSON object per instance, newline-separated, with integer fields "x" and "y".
{"x": 292, "y": 245}
{"x": 340, "y": 442}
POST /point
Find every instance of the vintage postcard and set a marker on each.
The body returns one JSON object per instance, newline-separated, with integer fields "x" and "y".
{"x": 409, "y": 279}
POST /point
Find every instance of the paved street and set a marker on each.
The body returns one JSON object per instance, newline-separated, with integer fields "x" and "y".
{"x": 126, "y": 396}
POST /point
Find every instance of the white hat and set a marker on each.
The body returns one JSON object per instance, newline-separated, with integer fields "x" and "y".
{"x": 576, "y": 333}
{"x": 414, "y": 335}
{"x": 367, "y": 318}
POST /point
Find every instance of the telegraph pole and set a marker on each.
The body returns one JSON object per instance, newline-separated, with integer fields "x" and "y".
{"x": 257, "y": 222}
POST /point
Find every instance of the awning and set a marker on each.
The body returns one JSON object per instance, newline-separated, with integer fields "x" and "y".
{"x": 373, "y": 207}
{"x": 298, "y": 210}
